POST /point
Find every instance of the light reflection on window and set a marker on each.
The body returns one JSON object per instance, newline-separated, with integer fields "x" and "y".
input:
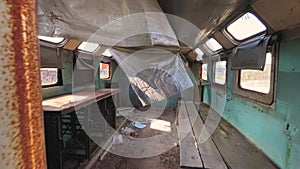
{"x": 246, "y": 26}
{"x": 204, "y": 72}
{"x": 220, "y": 72}
{"x": 51, "y": 39}
{"x": 213, "y": 45}
{"x": 88, "y": 47}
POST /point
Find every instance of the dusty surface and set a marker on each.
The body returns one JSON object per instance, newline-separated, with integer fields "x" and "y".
{"x": 156, "y": 140}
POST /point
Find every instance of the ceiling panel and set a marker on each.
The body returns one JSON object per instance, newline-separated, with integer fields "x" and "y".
{"x": 279, "y": 14}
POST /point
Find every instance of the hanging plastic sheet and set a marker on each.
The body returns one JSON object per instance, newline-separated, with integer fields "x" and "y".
{"x": 51, "y": 57}
{"x": 84, "y": 71}
{"x": 251, "y": 55}
{"x": 154, "y": 74}
{"x": 112, "y": 23}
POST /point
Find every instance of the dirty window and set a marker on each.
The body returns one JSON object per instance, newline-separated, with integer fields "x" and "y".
{"x": 88, "y": 47}
{"x": 256, "y": 80}
{"x": 220, "y": 72}
{"x": 246, "y": 26}
{"x": 55, "y": 40}
{"x": 213, "y": 45}
{"x": 107, "y": 53}
{"x": 49, "y": 76}
{"x": 199, "y": 54}
{"x": 104, "y": 70}
{"x": 204, "y": 72}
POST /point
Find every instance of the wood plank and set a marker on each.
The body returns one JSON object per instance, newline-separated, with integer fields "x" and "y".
{"x": 209, "y": 153}
{"x": 189, "y": 154}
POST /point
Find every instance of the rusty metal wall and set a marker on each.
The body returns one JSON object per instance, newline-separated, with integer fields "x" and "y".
{"x": 21, "y": 118}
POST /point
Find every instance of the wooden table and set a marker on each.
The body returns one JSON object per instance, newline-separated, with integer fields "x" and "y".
{"x": 57, "y": 107}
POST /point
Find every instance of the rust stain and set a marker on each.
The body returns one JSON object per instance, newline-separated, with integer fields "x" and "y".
{"x": 24, "y": 116}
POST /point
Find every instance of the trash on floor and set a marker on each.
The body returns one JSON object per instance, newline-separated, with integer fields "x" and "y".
{"x": 138, "y": 125}
{"x": 118, "y": 139}
{"x": 127, "y": 131}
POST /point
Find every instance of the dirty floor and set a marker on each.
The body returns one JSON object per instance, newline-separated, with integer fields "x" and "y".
{"x": 155, "y": 146}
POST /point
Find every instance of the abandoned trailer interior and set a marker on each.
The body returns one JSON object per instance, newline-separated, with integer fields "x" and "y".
{"x": 139, "y": 84}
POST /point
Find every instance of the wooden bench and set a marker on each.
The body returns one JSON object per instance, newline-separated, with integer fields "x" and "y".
{"x": 195, "y": 153}
{"x": 226, "y": 148}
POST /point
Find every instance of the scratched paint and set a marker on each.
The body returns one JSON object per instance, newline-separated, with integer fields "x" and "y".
{"x": 21, "y": 117}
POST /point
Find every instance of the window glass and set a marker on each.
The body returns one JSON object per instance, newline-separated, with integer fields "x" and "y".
{"x": 199, "y": 54}
{"x": 104, "y": 70}
{"x": 107, "y": 53}
{"x": 220, "y": 72}
{"x": 204, "y": 72}
{"x": 213, "y": 45}
{"x": 257, "y": 80}
{"x": 49, "y": 76}
{"x": 51, "y": 39}
{"x": 88, "y": 47}
{"x": 246, "y": 26}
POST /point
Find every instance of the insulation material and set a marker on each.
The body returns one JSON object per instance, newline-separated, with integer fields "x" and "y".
{"x": 251, "y": 55}
{"x": 154, "y": 74}
{"x": 51, "y": 57}
{"x": 112, "y": 23}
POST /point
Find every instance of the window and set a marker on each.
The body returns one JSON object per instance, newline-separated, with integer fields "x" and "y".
{"x": 199, "y": 54}
{"x": 258, "y": 85}
{"x": 88, "y": 47}
{"x": 220, "y": 72}
{"x": 245, "y": 27}
{"x": 213, "y": 45}
{"x": 204, "y": 72}
{"x": 107, "y": 53}
{"x": 55, "y": 40}
{"x": 49, "y": 76}
{"x": 104, "y": 71}
{"x": 256, "y": 80}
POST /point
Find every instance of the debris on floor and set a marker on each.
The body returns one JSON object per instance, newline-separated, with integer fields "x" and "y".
{"x": 118, "y": 139}
{"x": 155, "y": 144}
{"x": 138, "y": 125}
{"x": 127, "y": 131}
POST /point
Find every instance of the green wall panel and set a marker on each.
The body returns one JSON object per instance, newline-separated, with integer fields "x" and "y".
{"x": 274, "y": 130}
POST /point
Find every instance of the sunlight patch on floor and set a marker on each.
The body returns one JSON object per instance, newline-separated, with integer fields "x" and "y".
{"x": 161, "y": 125}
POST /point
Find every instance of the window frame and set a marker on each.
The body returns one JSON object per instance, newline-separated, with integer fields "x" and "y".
{"x": 235, "y": 41}
{"x": 218, "y": 85}
{"x": 262, "y": 98}
{"x": 59, "y": 79}
{"x": 110, "y": 70}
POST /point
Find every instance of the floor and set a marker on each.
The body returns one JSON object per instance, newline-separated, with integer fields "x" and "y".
{"x": 152, "y": 148}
